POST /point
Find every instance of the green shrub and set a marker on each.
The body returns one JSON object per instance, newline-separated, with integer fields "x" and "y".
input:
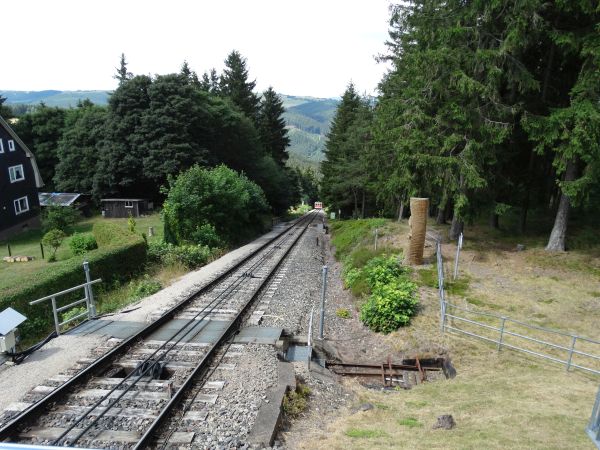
{"x": 53, "y": 239}
{"x": 383, "y": 270}
{"x": 390, "y": 306}
{"x": 145, "y": 287}
{"x": 191, "y": 256}
{"x": 205, "y": 203}
{"x": 206, "y": 235}
{"x": 82, "y": 243}
{"x": 393, "y": 299}
{"x": 131, "y": 223}
{"x": 362, "y": 255}
{"x": 59, "y": 218}
{"x": 119, "y": 257}
{"x": 351, "y": 276}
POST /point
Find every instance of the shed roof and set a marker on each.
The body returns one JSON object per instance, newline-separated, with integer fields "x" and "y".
{"x": 57, "y": 198}
{"x": 38, "y": 178}
{"x": 123, "y": 199}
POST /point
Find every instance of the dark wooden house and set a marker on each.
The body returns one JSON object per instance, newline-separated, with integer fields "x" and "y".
{"x": 19, "y": 183}
{"x": 123, "y": 207}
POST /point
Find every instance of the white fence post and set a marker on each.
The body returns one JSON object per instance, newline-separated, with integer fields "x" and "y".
{"x": 571, "y": 352}
{"x": 501, "y": 333}
{"x": 88, "y": 291}
{"x": 458, "y": 249}
{"x": 55, "y": 314}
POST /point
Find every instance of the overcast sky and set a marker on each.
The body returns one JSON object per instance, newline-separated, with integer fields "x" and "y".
{"x": 300, "y": 47}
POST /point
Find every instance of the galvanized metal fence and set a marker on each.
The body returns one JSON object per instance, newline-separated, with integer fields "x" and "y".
{"x": 575, "y": 352}
{"x": 88, "y": 299}
{"x": 593, "y": 428}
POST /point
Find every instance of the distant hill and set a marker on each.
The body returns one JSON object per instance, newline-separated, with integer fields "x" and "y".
{"x": 308, "y": 118}
{"x": 62, "y": 99}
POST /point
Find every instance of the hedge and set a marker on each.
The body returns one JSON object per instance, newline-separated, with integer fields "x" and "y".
{"x": 120, "y": 254}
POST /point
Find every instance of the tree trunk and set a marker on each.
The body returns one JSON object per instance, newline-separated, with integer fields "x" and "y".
{"x": 494, "y": 221}
{"x": 456, "y": 228}
{"x": 401, "y": 210}
{"x": 523, "y": 216}
{"x": 362, "y": 208}
{"x": 556, "y": 243}
{"x": 525, "y": 205}
{"x": 355, "y": 212}
{"x": 441, "y": 215}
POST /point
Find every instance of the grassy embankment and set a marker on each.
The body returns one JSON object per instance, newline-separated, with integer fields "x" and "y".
{"x": 498, "y": 399}
{"x": 113, "y": 294}
{"x": 28, "y": 244}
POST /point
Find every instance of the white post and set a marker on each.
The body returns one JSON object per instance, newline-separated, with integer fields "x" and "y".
{"x": 323, "y": 290}
{"x": 458, "y": 248}
{"x": 55, "y": 313}
{"x": 88, "y": 291}
{"x": 376, "y": 236}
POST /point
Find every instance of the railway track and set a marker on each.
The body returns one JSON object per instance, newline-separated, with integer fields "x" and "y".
{"x": 125, "y": 398}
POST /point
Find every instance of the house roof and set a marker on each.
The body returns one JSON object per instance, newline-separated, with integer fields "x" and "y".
{"x": 38, "y": 178}
{"x": 57, "y": 198}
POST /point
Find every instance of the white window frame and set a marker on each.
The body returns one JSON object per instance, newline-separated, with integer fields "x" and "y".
{"x": 11, "y": 173}
{"x": 128, "y": 204}
{"x": 11, "y": 145}
{"x": 17, "y": 203}
{"x": 1, "y": 146}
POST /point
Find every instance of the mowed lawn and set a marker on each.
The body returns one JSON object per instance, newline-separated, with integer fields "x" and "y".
{"x": 28, "y": 244}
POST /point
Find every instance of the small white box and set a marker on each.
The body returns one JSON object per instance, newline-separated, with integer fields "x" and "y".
{"x": 8, "y": 342}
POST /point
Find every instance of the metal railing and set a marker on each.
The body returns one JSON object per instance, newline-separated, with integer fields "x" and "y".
{"x": 575, "y": 352}
{"x": 88, "y": 299}
{"x": 593, "y": 428}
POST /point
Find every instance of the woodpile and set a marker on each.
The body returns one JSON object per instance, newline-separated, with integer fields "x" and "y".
{"x": 12, "y": 259}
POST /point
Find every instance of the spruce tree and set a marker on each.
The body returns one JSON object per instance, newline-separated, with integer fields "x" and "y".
{"x": 79, "y": 146}
{"x": 41, "y": 130}
{"x": 234, "y": 84}
{"x": 272, "y": 127}
{"x": 341, "y": 158}
{"x": 122, "y": 74}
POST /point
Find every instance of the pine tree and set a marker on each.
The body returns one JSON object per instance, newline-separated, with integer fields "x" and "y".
{"x": 210, "y": 82}
{"x": 189, "y": 75}
{"x": 41, "y": 130}
{"x": 5, "y": 111}
{"x": 234, "y": 85}
{"x": 79, "y": 146}
{"x": 175, "y": 127}
{"x": 122, "y": 74}
{"x": 272, "y": 127}
{"x": 342, "y": 169}
{"x": 120, "y": 165}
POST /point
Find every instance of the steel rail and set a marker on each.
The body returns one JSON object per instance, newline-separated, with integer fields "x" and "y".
{"x": 223, "y": 296}
{"x": 203, "y": 366}
{"x": 11, "y": 428}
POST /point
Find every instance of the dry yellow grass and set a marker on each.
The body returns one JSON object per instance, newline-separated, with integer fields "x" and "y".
{"x": 501, "y": 399}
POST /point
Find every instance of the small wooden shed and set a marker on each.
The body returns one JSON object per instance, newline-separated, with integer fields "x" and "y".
{"x": 123, "y": 207}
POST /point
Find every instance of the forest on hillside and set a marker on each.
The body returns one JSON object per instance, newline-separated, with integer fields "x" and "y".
{"x": 154, "y": 128}
{"x": 489, "y": 109}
